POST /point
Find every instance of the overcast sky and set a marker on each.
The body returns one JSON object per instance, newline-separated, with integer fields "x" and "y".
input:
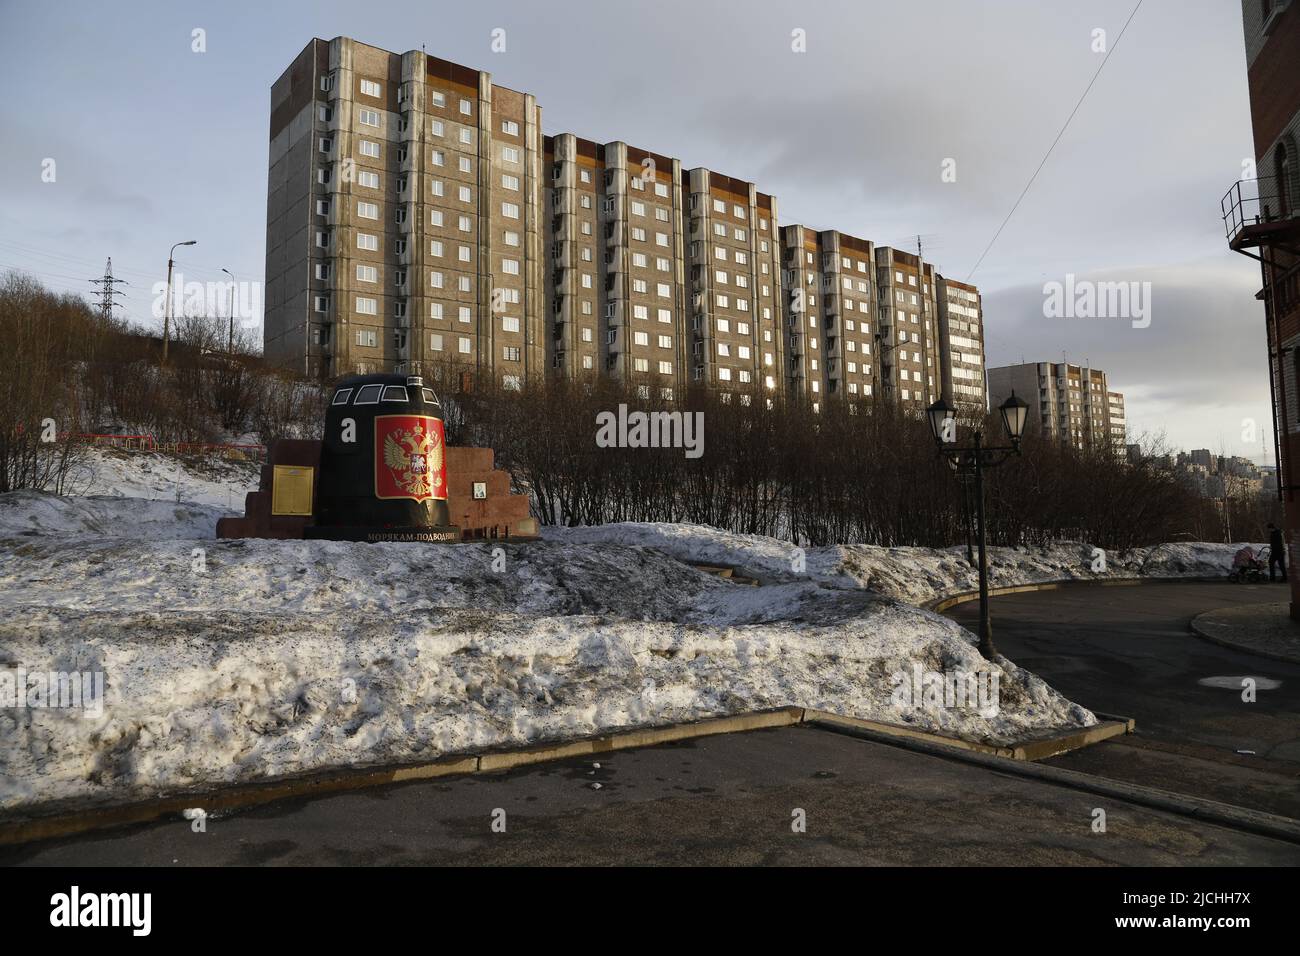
{"x": 155, "y": 143}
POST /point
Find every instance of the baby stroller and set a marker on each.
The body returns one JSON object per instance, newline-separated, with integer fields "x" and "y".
{"x": 1249, "y": 566}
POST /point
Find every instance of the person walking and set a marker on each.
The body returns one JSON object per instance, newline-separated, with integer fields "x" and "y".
{"x": 1276, "y": 551}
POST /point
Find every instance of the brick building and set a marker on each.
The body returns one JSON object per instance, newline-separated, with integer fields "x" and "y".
{"x": 1262, "y": 216}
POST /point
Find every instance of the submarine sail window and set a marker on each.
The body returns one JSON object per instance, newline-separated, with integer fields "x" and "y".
{"x": 368, "y": 395}
{"x": 396, "y": 393}
{"x": 341, "y": 396}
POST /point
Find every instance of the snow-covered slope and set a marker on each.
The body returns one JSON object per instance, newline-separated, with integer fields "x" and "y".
{"x": 212, "y": 481}
{"x": 240, "y": 660}
{"x": 915, "y": 575}
{"x": 236, "y": 660}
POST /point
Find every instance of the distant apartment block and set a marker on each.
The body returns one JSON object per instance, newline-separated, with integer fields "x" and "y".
{"x": 419, "y": 220}
{"x": 1070, "y": 403}
{"x": 961, "y": 346}
{"x": 1117, "y": 420}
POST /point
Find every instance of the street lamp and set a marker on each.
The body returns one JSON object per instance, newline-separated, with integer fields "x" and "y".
{"x": 167, "y": 312}
{"x": 230, "y": 342}
{"x": 972, "y": 460}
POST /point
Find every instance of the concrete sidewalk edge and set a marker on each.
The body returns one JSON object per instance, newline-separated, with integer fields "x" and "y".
{"x": 243, "y": 796}
{"x": 71, "y": 823}
{"x": 1238, "y": 818}
{"x": 1200, "y": 628}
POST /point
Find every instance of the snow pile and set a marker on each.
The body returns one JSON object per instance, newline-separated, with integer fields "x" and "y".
{"x": 229, "y": 661}
{"x": 197, "y": 479}
{"x": 33, "y": 513}
{"x": 915, "y": 575}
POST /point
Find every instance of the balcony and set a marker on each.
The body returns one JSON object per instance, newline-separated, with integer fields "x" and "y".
{"x": 1256, "y": 212}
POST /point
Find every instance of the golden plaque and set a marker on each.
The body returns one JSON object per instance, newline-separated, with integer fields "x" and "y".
{"x": 291, "y": 490}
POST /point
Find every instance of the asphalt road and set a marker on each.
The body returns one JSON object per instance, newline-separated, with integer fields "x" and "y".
{"x": 1130, "y": 651}
{"x": 728, "y": 799}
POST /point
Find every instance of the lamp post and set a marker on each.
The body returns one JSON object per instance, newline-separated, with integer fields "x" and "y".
{"x": 167, "y": 312}
{"x": 972, "y": 460}
{"x": 230, "y": 341}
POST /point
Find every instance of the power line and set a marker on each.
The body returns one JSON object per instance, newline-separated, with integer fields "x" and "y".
{"x": 1104, "y": 61}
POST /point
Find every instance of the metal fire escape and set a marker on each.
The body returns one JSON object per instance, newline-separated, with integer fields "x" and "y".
{"x": 1257, "y": 215}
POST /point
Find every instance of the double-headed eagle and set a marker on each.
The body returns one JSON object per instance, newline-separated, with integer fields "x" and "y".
{"x": 418, "y": 470}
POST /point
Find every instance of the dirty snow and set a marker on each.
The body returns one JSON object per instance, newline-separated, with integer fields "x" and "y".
{"x": 189, "y": 479}
{"x": 241, "y": 660}
{"x": 915, "y": 575}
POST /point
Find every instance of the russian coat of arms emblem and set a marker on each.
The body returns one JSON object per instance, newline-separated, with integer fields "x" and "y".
{"x": 409, "y": 458}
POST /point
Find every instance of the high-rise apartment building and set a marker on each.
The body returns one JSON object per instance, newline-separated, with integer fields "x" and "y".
{"x": 961, "y": 345}
{"x": 616, "y": 265}
{"x": 830, "y": 305}
{"x": 733, "y": 258}
{"x": 1070, "y": 403}
{"x": 418, "y": 220}
{"x": 907, "y": 336}
{"x": 403, "y": 217}
{"x": 1118, "y": 422}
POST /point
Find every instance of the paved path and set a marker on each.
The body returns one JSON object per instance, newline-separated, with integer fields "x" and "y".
{"x": 1131, "y": 651}
{"x": 1264, "y": 629}
{"x": 714, "y": 800}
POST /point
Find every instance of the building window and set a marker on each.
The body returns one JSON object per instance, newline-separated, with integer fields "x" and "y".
{"x": 370, "y": 88}
{"x": 368, "y": 117}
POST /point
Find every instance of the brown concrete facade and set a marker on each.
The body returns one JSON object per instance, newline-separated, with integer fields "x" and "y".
{"x": 733, "y": 261}
{"x": 908, "y": 329}
{"x": 830, "y": 304}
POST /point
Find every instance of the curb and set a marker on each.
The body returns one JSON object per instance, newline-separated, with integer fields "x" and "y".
{"x": 71, "y": 823}
{"x": 1238, "y": 818}
{"x": 645, "y": 737}
{"x": 1038, "y": 748}
{"x": 1200, "y": 631}
{"x": 939, "y": 605}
